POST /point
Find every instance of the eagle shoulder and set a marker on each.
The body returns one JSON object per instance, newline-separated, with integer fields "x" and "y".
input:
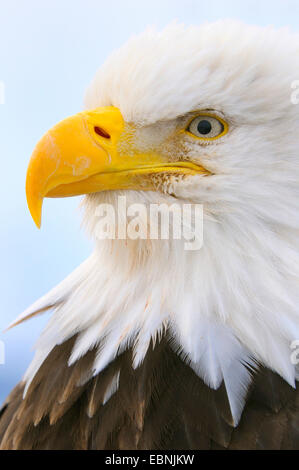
{"x": 162, "y": 404}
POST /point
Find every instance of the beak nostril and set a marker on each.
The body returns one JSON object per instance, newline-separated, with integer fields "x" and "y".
{"x": 100, "y": 131}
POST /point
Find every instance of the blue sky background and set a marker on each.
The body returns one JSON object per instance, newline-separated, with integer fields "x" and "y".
{"x": 49, "y": 51}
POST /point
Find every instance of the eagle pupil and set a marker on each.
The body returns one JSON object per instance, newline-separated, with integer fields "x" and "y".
{"x": 204, "y": 127}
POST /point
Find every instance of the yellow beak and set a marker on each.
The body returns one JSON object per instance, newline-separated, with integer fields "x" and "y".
{"x": 82, "y": 154}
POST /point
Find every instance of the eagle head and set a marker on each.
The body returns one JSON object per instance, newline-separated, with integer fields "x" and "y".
{"x": 197, "y": 115}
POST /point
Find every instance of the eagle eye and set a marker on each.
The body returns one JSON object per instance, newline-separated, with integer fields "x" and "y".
{"x": 207, "y": 127}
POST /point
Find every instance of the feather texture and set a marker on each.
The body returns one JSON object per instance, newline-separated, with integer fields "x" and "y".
{"x": 160, "y": 405}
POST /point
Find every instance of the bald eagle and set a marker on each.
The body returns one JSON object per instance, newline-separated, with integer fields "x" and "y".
{"x": 150, "y": 345}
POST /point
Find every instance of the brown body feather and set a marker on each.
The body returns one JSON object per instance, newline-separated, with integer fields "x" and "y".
{"x": 161, "y": 405}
